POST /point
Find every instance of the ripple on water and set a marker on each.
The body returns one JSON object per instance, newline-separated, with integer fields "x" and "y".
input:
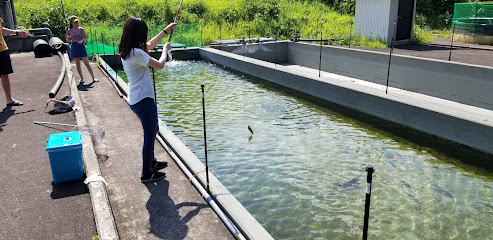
{"x": 302, "y": 173}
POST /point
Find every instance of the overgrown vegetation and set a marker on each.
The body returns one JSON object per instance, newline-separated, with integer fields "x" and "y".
{"x": 224, "y": 19}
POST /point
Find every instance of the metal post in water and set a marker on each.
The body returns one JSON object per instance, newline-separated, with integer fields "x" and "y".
{"x": 369, "y": 177}
{"x": 390, "y": 57}
{"x": 451, "y": 41}
{"x": 220, "y": 40}
{"x": 205, "y": 139}
{"x": 320, "y": 59}
{"x": 275, "y": 51}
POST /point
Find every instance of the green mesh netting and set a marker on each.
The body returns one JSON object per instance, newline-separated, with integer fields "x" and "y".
{"x": 105, "y": 40}
{"x": 474, "y": 18}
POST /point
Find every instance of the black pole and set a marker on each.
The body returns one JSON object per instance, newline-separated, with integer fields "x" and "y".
{"x": 154, "y": 83}
{"x": 451, "y": 41}
{"x": 390, "y": 56}
{"x": 102, "y": 42}
{"x": 205, "y": 138}
{"x": 370, "y": 171}
{"x": 220, "y": 40}
{"x": 114, "y": 54}
{"x": 275, "y": 50}
{"x": 350, "y": 34}
{"x": 96, "y": 40}
{"x": 320, "y": 58}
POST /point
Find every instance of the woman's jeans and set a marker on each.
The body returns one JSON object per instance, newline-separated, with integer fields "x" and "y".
{"x": 146, "y": 110}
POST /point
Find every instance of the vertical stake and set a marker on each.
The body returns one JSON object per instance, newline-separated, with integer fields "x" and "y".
{"x": 320, "y": 58}
{"x": 390, "y": 57}
{"x": 451, "y": 41}
{"x": 102, "y": 42}
{"x": 369, "y": 177}
{"x": 205, "y": 139}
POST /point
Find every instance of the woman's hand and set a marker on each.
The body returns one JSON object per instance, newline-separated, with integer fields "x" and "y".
{"x": 23, "y": 34}
{"x": 167, "y": 46}
{"x": 80, "y": 42}
{"x": 170, "y": 27}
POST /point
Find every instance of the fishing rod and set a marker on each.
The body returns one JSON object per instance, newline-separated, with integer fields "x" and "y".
{"x": 176, "y": 17}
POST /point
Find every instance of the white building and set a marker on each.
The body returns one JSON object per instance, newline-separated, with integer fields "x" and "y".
{"x": 375, "y": 19}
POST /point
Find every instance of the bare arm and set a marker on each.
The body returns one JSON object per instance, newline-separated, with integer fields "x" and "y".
{"x": 156, "y": 39}
{"x": 159, "y": 64}
{"x": 14, "y": 32}
{"x": 67, "y": 36}
{"x": 84, "y": 35}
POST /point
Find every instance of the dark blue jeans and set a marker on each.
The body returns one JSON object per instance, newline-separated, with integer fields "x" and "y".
{"x": 146, "y": 110}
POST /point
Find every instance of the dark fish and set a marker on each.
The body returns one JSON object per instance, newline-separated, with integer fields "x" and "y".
{"x": 352, "y": 184}
{"x": 406, "y": 184}
{"x": 250, "y": 129}
{"x": 447, "y": 194}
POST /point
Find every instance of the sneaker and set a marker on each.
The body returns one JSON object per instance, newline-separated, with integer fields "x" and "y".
{"x": 95, "y": 80}
{"x": 158, "y": 165}
{"x": 152, "y": 176}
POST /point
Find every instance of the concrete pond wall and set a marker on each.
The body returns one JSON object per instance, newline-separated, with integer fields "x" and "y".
{"x": 463, "y": 83}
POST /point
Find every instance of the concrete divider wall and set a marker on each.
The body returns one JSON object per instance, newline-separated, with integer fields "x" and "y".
{"x": 274, "y": 52}
{"x": 371, "y": 101}
{"x": 468, "y": 84}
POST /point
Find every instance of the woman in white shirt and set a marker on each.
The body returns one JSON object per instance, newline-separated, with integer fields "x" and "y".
{"x": 134, "y": 51}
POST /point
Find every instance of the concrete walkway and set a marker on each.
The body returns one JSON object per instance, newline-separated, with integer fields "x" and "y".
{"x": 31, "y": 207}
{"x": 461, "y": 52}
{"x": 167, "y": 209}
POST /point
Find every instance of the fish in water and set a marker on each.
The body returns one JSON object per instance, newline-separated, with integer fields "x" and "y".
{"x": 447, "y": 194}
{"x": 406, "y": 184}
{"x": 351, "y": 184}
{"x": 250, "y": 129}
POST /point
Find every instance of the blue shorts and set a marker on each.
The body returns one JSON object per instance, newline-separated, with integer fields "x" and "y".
{"x": 78, "y": 50}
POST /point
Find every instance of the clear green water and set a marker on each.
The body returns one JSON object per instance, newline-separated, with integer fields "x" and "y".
{"x": 302, "y": 173}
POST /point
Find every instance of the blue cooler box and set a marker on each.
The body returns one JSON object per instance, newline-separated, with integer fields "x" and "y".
{"x": 65, "y": 152}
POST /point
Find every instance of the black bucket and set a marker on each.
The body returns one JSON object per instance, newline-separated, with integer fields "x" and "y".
{"x": 42, "y": 49}
{"x": 57, "y": 45}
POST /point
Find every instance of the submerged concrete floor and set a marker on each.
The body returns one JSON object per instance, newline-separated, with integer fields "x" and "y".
{"x": 31, "y": 207}
{"x": 167, "y": 209}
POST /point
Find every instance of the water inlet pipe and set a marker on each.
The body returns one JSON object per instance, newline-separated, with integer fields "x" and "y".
{"x": 59, "y": 81}
{"x": 230, "y": 225}
{"x": 369, "y": 177}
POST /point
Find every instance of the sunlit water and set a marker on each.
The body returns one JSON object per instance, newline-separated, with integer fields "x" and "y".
{"x": 301, "y": 174}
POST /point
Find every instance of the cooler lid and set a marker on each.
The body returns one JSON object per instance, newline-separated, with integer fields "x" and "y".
{"x": 64, "y": 141}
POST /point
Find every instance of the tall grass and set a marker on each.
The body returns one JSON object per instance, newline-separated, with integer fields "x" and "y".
{"x": 227, "y": 19}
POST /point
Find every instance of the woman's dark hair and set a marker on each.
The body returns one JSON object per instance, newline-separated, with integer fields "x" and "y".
{"x": 134, "y": 36}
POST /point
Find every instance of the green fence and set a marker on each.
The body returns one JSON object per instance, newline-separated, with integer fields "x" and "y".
{"x": 105, "y": 40}
{"x": 474, "y": 18}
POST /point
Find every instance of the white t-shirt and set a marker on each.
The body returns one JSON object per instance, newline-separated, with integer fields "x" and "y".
{"x": 138, "y": 75}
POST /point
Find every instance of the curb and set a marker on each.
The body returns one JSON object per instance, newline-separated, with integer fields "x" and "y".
{"x": 103, "y": 215}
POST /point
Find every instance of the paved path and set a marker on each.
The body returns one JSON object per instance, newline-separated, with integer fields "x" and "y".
{"x": 167, "y": 209}
{"x": 30, "y": 206}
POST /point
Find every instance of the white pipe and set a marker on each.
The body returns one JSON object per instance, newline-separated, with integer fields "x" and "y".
{"x": 231, "y": 227}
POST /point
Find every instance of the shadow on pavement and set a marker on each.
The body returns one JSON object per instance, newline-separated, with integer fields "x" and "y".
{"x": 85, "y": 87}
{"x": 164, "y": 217}
{"x": 69, "y": 189}
{"x": 6, "y": 113}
